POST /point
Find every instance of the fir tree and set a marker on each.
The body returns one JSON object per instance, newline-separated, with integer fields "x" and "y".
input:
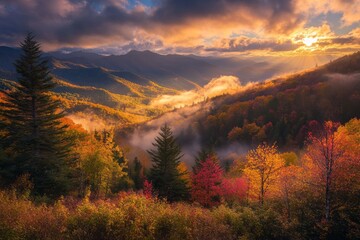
{"x": 203, "y": 155}
{"x": 34, "y": 134}
{"x": 137, "y": 173}
{"x": 164, "y": 174}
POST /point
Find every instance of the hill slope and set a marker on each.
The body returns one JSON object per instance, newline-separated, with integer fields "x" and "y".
{"x": 281, "y": 110}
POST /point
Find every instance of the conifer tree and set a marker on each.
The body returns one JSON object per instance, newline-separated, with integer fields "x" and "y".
{"x": 137, "y": 173}
{"x": 34, "y": 135}
{"x": 164, "y": 174}
{"x": 203, "y": 155}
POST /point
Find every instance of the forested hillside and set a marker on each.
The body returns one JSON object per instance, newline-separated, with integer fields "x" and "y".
{"x": 277, "y": 111}
{"x": 272, "y": 160}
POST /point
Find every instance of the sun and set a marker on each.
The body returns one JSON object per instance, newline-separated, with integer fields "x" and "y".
{"x": 309, "y": 41}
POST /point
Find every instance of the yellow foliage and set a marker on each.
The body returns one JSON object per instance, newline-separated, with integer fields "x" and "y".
{"x": 183, "y": 169}
{"x": 262, "y": 170}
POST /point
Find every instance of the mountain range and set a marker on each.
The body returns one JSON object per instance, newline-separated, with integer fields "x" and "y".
{"x": 120, "y": 87}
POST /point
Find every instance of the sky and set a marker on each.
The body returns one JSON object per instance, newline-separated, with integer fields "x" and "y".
{"x": 201, "y": 27}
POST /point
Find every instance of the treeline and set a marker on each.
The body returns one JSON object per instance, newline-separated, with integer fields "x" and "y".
{"x": 88, "y": 184}
{"x": 264, "y": 195}
{"x": 280, "y": 111}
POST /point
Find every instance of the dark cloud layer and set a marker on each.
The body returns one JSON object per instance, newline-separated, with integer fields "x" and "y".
{"x": 175, "y": 24}
{"x": 272, "y": 12}
{"x": 70, "y": 21}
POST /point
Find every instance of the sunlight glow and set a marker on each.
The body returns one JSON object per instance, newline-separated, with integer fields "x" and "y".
{"x": 309, "y": 41}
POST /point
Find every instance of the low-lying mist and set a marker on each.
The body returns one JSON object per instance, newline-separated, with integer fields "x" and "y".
{"x": 90, "y": 121}
{"x": 191, "y": 105}
{"x": 216, "y": 87}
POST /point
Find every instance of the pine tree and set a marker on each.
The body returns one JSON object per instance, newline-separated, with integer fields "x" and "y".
{"x": 164, "y": 174}
{"x": 137, "y": 173}
{"x": 34, "y": 134}
{"x": 203, "y": 155}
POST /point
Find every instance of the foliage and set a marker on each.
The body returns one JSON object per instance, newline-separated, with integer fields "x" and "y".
{"x": 34, "y": 138}
{"x": 332, "y": 165}
{"x": 206, "y": 183}
{"x": 203, "y": 155}
{"x": 137, "y": 173}
{"x": 262, "y": 169}
{"x": 280, "y": 110}
{"x": 102, "y": 166}
{"x": 295, "y": 209}
{"x": 164, "y": 174}
{"x": 234, "y": 190}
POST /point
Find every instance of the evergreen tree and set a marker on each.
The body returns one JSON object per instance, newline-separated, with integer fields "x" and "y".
{"x": 137, "y": 173}
{"x": 34, "y": 135}
{"x": 164, "y": 174}
{"x": 203, "y": 155}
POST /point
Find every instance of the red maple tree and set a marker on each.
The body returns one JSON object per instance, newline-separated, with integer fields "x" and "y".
{"x": 206, "y": 184}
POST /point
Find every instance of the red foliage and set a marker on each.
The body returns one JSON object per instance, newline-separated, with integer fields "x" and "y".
{"x": 206, "y": 184}
{"x": 148, "y": 189}
{"x": 234, "y": 189}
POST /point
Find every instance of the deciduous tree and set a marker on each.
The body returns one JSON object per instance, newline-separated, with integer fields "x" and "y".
{"x": 206, "y": 183}
{"x": 262, "y": 168}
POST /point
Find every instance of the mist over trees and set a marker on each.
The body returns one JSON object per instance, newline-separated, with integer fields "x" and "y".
{"x": 299, "y": 180}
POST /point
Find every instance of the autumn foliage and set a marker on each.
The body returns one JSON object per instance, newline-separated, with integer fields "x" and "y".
{"x": 234, "y": 190}
{"x": 206, "y": 184}
{"x": 262, "y": 169}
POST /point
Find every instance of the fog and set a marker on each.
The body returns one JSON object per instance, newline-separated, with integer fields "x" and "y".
{"x": 183, "y": 121}
{"x": 216, "y": 87}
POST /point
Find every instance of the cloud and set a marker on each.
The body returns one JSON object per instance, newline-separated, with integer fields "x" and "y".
{"x": 166, "y": 25}
{"x": 271, "y": 13}
{"x": 90, "y": 122}
{"x": 243, "y": 44}
{"x": 216, "y": 87}
{"x": 349, "y": 9}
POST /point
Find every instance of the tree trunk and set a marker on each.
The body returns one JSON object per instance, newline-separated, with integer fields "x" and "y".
{"x": 35, "y": 130}
{"x": 327, "y": 198}
{"x": 262, "y": 191}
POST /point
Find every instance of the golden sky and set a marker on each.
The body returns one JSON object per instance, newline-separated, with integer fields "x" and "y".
{"x": 203, "y": 27}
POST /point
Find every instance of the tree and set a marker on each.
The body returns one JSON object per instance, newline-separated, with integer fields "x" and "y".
{"x": 203, "y": 155}
{"x": 234, "y": 189}
{"x": 185, "y": 175}
{"x": 206, "y": 183}
{"x": 324, "y": 150}
{"x": 262, "y": 168}
{"x": 137, "y": 173}
{"x": 99, "y": 167}
{"x": 164, "y": 174}
{"x": 34, "y": 134}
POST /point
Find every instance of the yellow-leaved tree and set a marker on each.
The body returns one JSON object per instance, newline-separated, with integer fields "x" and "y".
{"x": 262, "y": 169}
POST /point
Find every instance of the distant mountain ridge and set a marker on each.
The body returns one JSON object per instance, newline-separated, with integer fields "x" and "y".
{"x": 171, "y": 71}
{"x": 124, "y": 85}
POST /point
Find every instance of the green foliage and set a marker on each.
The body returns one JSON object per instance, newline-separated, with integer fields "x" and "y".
{"x": 34, "y": 137}
{"x": 164, "y": 173}
{"x": 137, "y": 173}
